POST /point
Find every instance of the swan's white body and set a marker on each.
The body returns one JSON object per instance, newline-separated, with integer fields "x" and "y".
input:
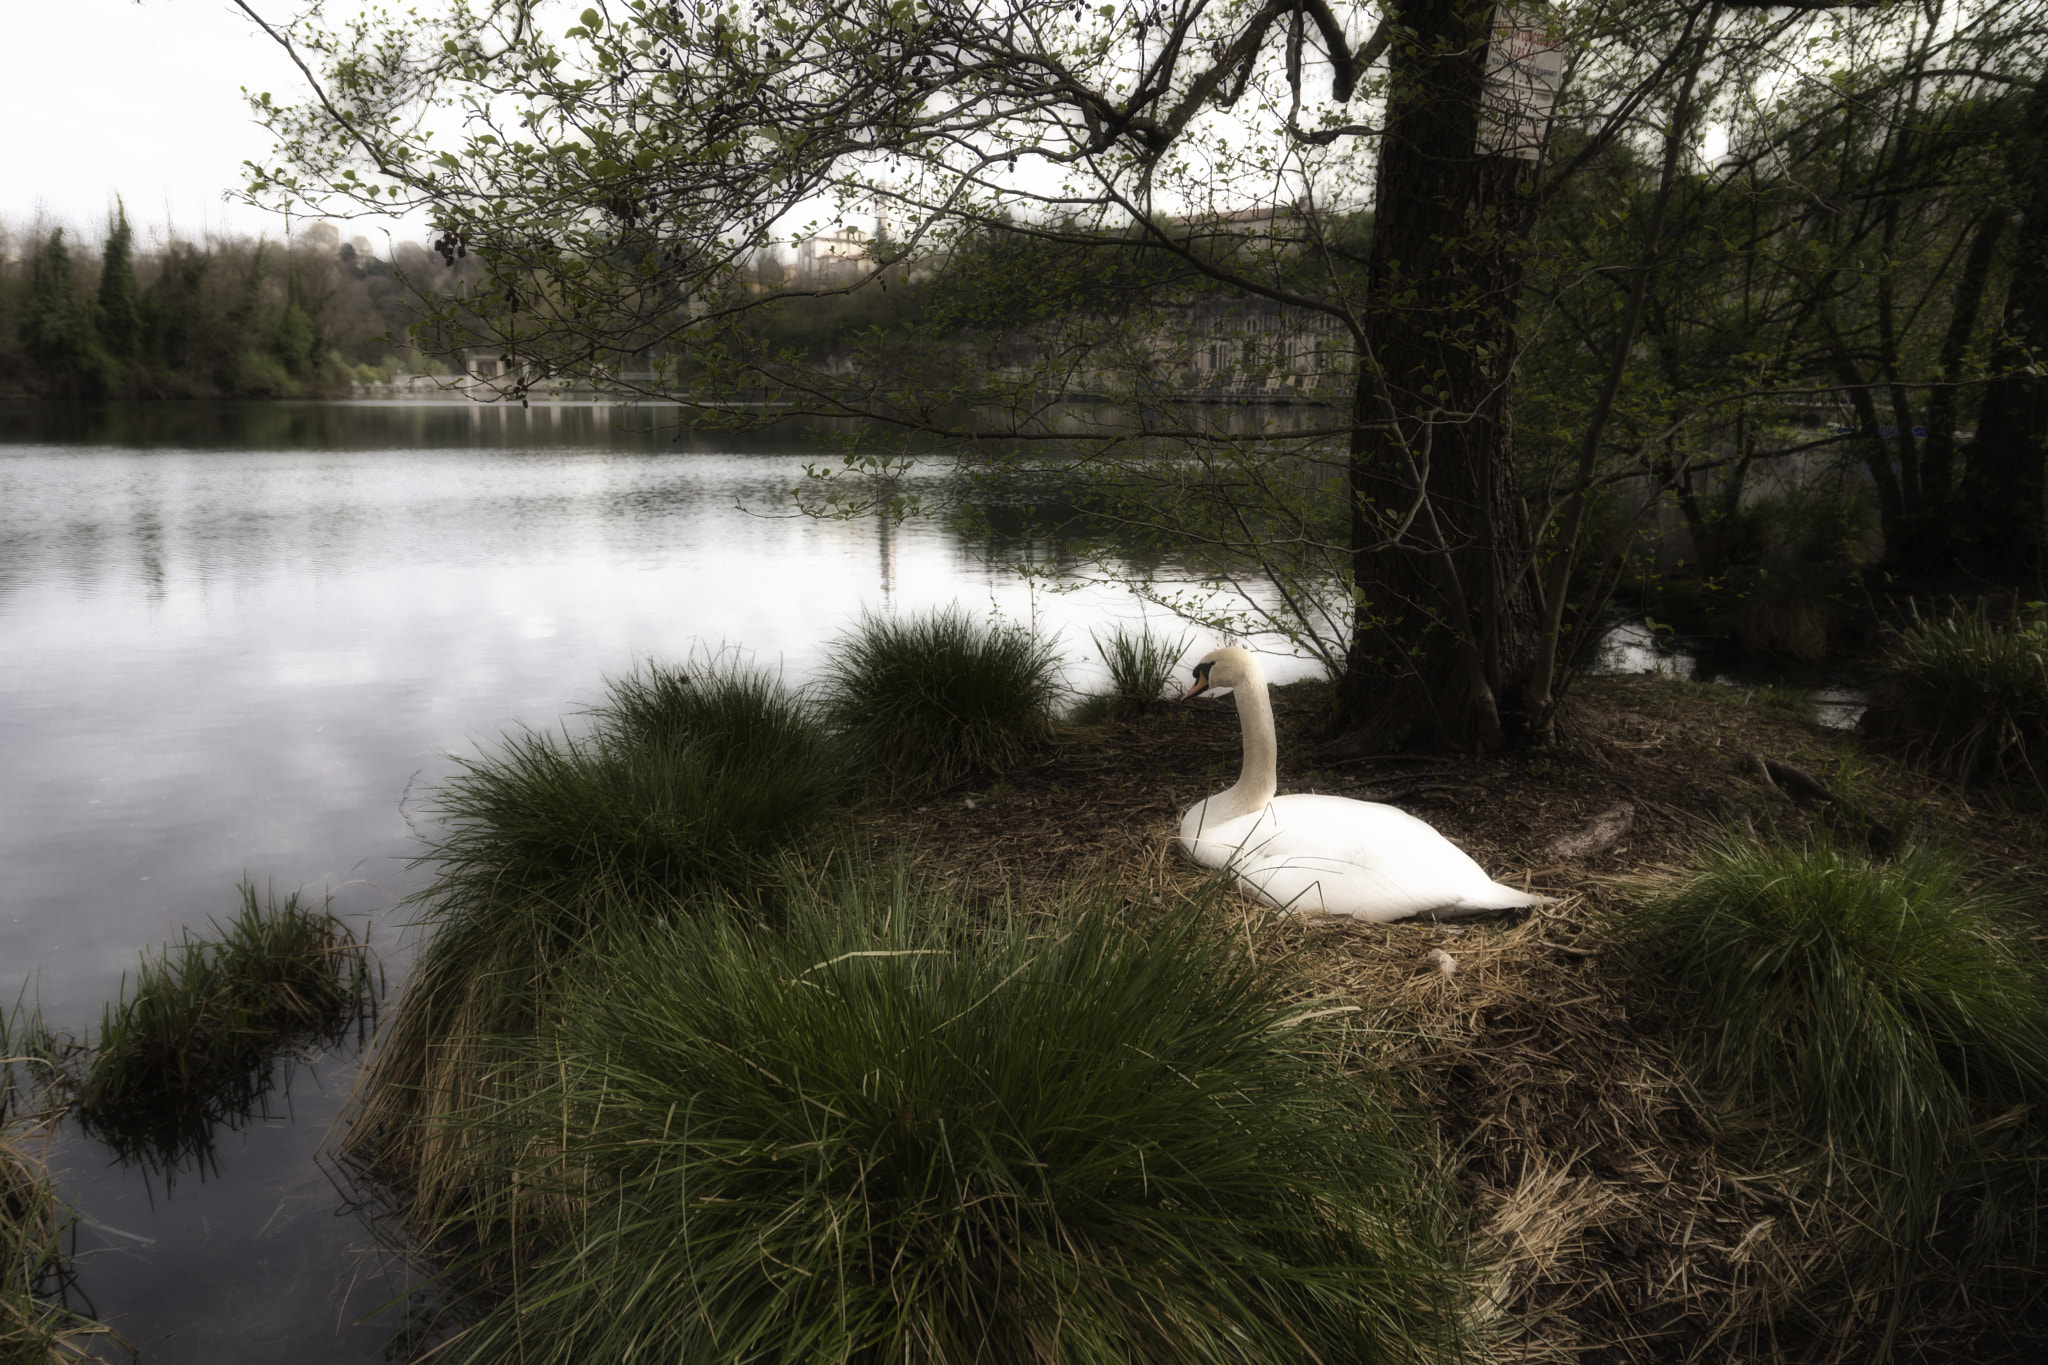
{"x": 1326, "y": 854}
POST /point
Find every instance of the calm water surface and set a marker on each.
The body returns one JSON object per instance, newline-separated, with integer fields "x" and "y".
{"x": 240, "y": 641}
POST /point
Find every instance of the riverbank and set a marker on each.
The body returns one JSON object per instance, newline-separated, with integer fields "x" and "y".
{"x": 1611, "y": 1211}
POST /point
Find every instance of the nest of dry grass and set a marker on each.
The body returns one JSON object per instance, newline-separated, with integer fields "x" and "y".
{"x": 1611, "y": 1217}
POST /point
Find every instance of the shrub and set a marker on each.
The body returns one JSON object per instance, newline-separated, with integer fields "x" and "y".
{"x": 889, "y": 1133}
{"x": 1972, "y": 695}
{"x": 193, "y": 1045}
{"x": 688, "y": 785}
{"x": 1876, "y": 1022}
{"x": 929, "y": 701}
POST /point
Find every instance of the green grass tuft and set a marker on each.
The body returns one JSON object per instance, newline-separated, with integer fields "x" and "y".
{"x": 1885, "y": 1025}
{"x": 926, "y": 702}
{"x": 689, "y": 787}
{"x": 1782, "y": 697}
{"x": 892, "y": 1133}
{"x": 1141, "y": 668}
{"x": 192, "y": 1044}
{"x": 1974, "y": 695}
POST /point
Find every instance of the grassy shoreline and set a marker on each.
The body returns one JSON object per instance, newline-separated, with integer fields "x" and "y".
{"x": 1558, "y": 1175}
{"x": 1606, "y": 1207}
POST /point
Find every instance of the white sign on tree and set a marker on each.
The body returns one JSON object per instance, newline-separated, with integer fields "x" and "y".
{"x": 1524, "y": 67}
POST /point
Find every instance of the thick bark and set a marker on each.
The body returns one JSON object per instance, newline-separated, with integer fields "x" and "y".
{"x": 2006, "y": 475}
{"x": 1446, "y": 624}
{"x": 1934, "y": 530}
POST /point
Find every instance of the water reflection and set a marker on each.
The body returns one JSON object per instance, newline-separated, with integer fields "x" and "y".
{"x": 1634, "y": 647}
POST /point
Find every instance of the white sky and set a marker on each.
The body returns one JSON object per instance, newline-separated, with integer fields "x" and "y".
{"x": 141, "y": 99}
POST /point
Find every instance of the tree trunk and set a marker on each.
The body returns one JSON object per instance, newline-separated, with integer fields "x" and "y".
{"x": 1935, "y": 535}
{"x": 1446, "y": 623}
{"x": 2003, "y": 479}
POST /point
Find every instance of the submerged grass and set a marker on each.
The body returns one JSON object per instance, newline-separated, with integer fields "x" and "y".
{"x": 1881, "y": 1025}
{"x": 928, "y": 701}
{"x": 191, "y": 1045}
{"x": 1973, "y": 695}
{"x": 689, "y": 787}
{"x": 895, "y": 1132}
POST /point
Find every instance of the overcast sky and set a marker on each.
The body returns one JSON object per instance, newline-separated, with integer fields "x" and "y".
{"x": 141, "y": 99}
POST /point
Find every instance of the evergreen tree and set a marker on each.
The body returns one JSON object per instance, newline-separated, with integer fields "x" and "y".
{"x": 295, "y": 339}
{"x": 120, "y": 318}
{"x": 55, "y": 328}
{"x": 245, "y": 310}
{"x": 174, "y": 308}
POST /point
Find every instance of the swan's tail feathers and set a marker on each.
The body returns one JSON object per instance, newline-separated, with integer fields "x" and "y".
{"x": 1495, "y": 903}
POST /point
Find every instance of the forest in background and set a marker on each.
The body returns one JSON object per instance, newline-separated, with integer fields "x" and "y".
{"x": 302, "y": 315}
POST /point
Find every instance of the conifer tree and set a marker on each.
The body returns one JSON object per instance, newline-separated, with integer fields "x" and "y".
{"x": 55, "y": 328}
{"x": 120, "y": 317}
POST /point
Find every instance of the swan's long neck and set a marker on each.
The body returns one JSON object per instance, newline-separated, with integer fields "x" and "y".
{"x": 1260, "y": 778}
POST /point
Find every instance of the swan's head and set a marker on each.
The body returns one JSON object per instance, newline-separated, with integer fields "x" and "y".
{"x": 1225, "y": 668}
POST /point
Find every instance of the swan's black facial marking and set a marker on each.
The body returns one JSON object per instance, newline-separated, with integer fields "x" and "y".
{"x": 1201, "y": 680}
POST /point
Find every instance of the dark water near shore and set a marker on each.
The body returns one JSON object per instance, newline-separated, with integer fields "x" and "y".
{"x": 242, "y": 639}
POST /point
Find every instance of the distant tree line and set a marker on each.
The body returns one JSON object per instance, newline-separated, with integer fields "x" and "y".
{"x": 304, "y": 315}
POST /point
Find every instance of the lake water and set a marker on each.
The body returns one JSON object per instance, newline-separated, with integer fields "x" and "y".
{"x": 241, "y": 640}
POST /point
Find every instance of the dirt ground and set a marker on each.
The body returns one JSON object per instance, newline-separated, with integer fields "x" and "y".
{"x": 1614, "y": 1221}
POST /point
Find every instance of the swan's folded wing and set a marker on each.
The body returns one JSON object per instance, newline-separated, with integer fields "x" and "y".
{"x": 1304, "y": 883}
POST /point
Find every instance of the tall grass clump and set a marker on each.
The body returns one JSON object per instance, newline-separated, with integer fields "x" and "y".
{"x": 688, "y": 784}
{"x": 927, "y": 701}
{"x": 1141, "y": 667}
{"x": 890, "y": 1133}
{"x": 1881, "y": 1024}
{"x": 1973, "y": 695}
{"x": 36, "y": 1327}
{"x": 191, "y": 1043}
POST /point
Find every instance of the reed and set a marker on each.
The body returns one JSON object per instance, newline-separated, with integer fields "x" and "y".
{"x": 925, "y": 702}
{"x": 892, "y": 1132}
{"x": 684, "y": 794}
{"x": 1973, "y": 695}
{"x": 192, "y": 1043}
{"x": 1881, "y": 1024}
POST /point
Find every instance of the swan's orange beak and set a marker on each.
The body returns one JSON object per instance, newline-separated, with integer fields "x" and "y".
{"x": 1201, "y": 682}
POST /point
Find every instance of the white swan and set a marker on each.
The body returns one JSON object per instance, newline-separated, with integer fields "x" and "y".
{"x": 1324, "y": 853}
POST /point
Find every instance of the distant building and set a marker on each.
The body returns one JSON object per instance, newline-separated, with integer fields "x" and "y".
{"x": 832, "y": 258}
{"x": 1252, "y": 348}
